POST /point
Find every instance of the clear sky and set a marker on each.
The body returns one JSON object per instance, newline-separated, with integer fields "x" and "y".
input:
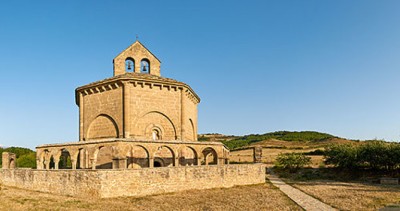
{"x": 258, "y": 66}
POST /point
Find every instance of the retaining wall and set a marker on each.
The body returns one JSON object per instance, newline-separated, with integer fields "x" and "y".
{"x": 136, "y": 182}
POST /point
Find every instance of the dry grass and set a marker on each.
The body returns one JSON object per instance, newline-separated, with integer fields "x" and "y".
{"x": 269, "y": 156}
{"x": 273, "y": 147}
{"x": 350, "y": 195}
{"x": 253, "y": 197}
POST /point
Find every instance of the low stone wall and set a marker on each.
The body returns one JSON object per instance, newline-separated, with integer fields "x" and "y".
{"x": 136, "y": 182}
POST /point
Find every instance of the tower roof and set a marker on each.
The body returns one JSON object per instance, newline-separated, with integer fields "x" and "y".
{"x": 137, "y": 42}
{"x": 138, "y": 56}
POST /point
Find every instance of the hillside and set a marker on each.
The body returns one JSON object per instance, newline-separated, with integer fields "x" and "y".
{"x": 279, "y": 139}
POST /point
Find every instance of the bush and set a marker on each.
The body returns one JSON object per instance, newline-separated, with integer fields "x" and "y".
{"x": 371, "y": 155}
{"x": 292, "y": 161}
{"x": 27, "y": 160}
{"x": 341, "y": 155}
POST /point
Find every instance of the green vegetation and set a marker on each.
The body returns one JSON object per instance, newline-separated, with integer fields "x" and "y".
{"x": 203, "y": 138}
{"x": 303, "y": 136}
{"x": 292, "y": 161}
{"x": 369, "y": 155}
{"x": 25, "y": 157}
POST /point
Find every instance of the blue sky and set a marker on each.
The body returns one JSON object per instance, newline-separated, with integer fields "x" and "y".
{"x": 258, "y": 66}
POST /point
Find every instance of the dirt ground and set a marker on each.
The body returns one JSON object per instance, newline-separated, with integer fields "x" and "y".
{"x": 352, "y": 195}
{"x": 253, "y": 197}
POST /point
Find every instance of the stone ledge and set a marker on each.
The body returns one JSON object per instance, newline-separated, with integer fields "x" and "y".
{"x": 128, "y": 140}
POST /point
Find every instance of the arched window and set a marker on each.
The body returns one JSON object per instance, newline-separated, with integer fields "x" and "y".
{"x": 145, "y": 66}
{"x": 155, "y": 134}
{"x": 129, "y": 65}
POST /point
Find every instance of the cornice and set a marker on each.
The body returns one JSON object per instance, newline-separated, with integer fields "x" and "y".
{"x": 117, "y": 82}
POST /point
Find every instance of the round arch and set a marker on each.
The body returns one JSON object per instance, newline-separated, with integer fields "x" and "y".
{"x": 130, "y": 64}
{"x": 156, "y": 119}
{"x": 103, "y": 126}
{"x": 210, "y": 156}
{"x": 188, "y": 156}
{"x": 137, "y": 157}
{"x": 166, "y": 154}
{"x": 193, "y": 130}
{"x": 65, "y": 159}
{"x": 103, "y": 157}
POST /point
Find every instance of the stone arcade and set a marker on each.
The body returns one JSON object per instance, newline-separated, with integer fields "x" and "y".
{"x": 128, "y": 125}
{"x": 136, "y": 119}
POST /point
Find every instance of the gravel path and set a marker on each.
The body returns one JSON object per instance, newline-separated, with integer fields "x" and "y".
{"x": 305, "y": 201}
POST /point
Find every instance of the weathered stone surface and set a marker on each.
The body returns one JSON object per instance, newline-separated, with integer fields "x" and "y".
{"x": 257, "y": 152}
{"x": 8, "y": 160}
{"x": 136, "y": 182}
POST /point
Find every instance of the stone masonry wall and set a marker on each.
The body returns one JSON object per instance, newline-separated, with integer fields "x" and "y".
{"x": 103, "y": 114}
{"x": 154, "y": 107}
{"x": 137, "y": 182}
{"x": 63, "y": 182}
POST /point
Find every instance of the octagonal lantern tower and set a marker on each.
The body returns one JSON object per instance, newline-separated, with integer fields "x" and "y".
{"x": 137, "y": 102}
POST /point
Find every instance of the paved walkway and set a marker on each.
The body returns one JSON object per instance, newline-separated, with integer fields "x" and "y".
{"x": 305, "y": 201}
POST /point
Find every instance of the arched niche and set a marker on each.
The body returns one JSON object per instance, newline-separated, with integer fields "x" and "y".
{"x": 155, "y": 120}
{"x": 103, "y": 126}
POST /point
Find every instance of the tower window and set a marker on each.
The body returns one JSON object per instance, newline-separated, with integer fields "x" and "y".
{"x": 145, "y": 66}
{"x": 129, "y": 65}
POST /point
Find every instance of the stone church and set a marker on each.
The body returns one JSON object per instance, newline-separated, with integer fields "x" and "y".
{"x": 135, "y": 119}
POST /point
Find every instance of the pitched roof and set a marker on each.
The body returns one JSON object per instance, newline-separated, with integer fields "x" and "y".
{"x": 137, "y": 42}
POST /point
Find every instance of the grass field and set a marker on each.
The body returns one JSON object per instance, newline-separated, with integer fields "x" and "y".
{"x": 352, "y": 195}
{"x": 253, "y": 197}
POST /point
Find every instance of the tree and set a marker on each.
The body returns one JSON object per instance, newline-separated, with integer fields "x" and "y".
{"x": 292, "y": 161}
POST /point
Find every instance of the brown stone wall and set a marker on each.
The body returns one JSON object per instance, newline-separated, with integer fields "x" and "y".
{"x": 154, "y": 107}
{"x": 141, "y": 182}
{"x": 102, "y": 116}
{"x": 190, "y": 117}
{"x": 64, "y": 182}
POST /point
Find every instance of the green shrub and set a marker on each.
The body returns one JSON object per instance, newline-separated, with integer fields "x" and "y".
{"x": 370, "y": 155}
{"x": 292, "y": 161}
{"x": 342, "y": 155}
{"x": 27, "y": 160}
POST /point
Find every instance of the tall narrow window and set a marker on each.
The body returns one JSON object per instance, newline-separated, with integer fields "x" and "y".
{"x": 155, "y": 134}
{"x": 145, "y": 66}
{"x": 129, "y": 65}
